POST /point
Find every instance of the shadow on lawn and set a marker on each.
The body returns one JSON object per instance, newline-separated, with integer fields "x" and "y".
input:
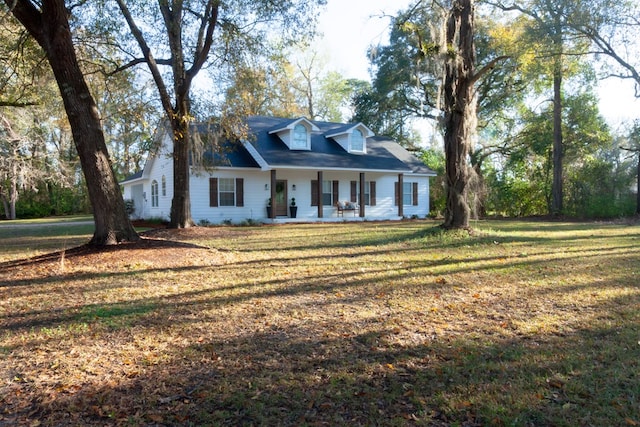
{"x": 297, "y": 376}
{"x": 374, "y": 370}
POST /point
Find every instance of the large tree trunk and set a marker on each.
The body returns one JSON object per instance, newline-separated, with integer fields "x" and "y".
{"x": 181, "y": 202}
{"x": 556, "y": 187}
{"x": 459, "y": 111}
{"x": 50, "y": 27}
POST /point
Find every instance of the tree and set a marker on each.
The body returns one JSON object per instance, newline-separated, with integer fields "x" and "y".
{"x": 430, "y": 70}
{"x": 549, "y": 29}
{"x": 612, "y": 28}
{"x": 633, "y": 147}
{"x": 261, "y": 87}
{"x": 47, "y": 22}
{"x": 15, "y": 167}
{"x": 191, "y": 29}
{"x": 459, "y": 102}
{"x": 324, "y": 94}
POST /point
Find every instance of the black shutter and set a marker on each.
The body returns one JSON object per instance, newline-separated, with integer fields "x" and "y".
{"x": 354, "y": 191}
{"x": 372, "y": 193}
{"x": 314, "y": 192}
{"x": 415, "y": 194}
{"x": 213, "y": 192}
{"x": 240, "y": 192}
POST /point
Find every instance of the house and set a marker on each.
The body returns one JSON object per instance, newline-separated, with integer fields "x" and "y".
{"x": 332, "y": 170}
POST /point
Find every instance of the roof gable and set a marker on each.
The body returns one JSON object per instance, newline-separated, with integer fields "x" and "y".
{"x": 296, "y": 133}
{"x": 352, "y": 137}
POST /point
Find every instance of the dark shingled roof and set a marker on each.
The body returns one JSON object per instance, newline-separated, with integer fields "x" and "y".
{"x": 132, "y": 177}
{"x": 325, "y": 153}
{"x": 382, "y": 153}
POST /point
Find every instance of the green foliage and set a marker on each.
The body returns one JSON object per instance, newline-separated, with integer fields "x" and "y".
{"x": 129, "y": 206}
{"x": 514, "y": 195}
{"x": 52, "y": 200}
{"x": 599, "y": 189}
{"x": 435, "y": 160}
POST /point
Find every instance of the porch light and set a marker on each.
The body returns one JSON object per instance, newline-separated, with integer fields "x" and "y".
{"x": 266, "y": 187}
{"x": 293, "y": 187}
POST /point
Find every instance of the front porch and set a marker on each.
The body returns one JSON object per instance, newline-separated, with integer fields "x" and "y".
{"x": 288, "y": 220}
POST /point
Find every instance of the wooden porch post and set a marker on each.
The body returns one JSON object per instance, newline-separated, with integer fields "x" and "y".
{"x": 361, "y": 201}
{"x": 273, "y": 193}
{"x": 320, "y": 207}
{"x": 400, "y": 195}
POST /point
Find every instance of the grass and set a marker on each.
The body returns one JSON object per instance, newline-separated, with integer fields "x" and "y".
{"x": 521, "y": 323}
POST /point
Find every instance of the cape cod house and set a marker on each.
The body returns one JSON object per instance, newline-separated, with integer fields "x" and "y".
{"x": 332, "y": 171}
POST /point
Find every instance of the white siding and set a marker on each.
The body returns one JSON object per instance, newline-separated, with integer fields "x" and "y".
{"x": 256, "y": 196}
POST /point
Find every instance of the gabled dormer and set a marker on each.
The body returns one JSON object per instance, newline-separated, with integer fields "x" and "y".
{"x": 352, "y": 138}
{"x": 296, "y": 134}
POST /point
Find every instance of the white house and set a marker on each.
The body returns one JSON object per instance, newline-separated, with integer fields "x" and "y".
{"x": 324, "y": 166}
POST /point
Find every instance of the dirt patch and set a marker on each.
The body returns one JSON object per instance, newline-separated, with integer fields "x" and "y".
{"x": 159, "y": 248}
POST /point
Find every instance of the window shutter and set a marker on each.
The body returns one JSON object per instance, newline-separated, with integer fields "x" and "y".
{"x": 240, "y": 192}
{"x": 395, "y": 194}
{"x": 213, "y": 192}
{"x": 335, "y": 192}
{"x": 354, "y": 191}
{"x": 415, "y": 194}
{"x": 372, "y": 193}
{"x": 314, "y": 192}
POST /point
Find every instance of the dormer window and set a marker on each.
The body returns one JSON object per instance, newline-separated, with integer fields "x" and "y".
{"x": 357, "y": 140}
{"x": 352, "y": 138}
{"x": 296, "y": 134}
{"x": 299, "y": 137}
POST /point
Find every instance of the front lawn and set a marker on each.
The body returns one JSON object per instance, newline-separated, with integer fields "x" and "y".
{"x": 398, "y": 323}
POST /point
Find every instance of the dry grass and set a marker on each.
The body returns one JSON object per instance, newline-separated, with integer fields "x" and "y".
{"x": 523, "y": 323}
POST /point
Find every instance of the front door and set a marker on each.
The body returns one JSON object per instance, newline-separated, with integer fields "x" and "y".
{"x": 281, "y": 198}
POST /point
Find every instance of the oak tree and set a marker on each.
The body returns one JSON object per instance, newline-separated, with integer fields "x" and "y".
{"x": 47, "y": 21}
{"x": 193, "y": 35}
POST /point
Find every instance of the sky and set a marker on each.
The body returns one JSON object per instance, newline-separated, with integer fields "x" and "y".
{"x": 349, "y": 27}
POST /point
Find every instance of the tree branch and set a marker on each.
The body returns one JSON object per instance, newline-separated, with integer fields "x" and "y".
{"x": 148, "y": 56}
{"x": 135, "y": 62}
{"x": 17, "y": 104}
{"x": 488, "y": 67}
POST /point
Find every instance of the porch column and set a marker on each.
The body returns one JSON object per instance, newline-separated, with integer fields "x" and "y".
{"x": 361, "y": 200}
{"x": 320, "y": 207}
{"x": 400, "y": 195}
{"x": 273, "y": 193}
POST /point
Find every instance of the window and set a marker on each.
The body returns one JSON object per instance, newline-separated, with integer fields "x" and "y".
{"x": 369, "y": 192}
{"x": 154, "y": 194}
{"x": 357, "y": 140}
{"x": 164, "y": 186}
{"x": 227, "y": 191}
{"x": 299, "y": 136}
{"x": 327, "y": 193}
{"x": 409, "y": 193}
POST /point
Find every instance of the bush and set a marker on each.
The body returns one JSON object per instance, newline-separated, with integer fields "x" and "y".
{"x": 129, "y": 206}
